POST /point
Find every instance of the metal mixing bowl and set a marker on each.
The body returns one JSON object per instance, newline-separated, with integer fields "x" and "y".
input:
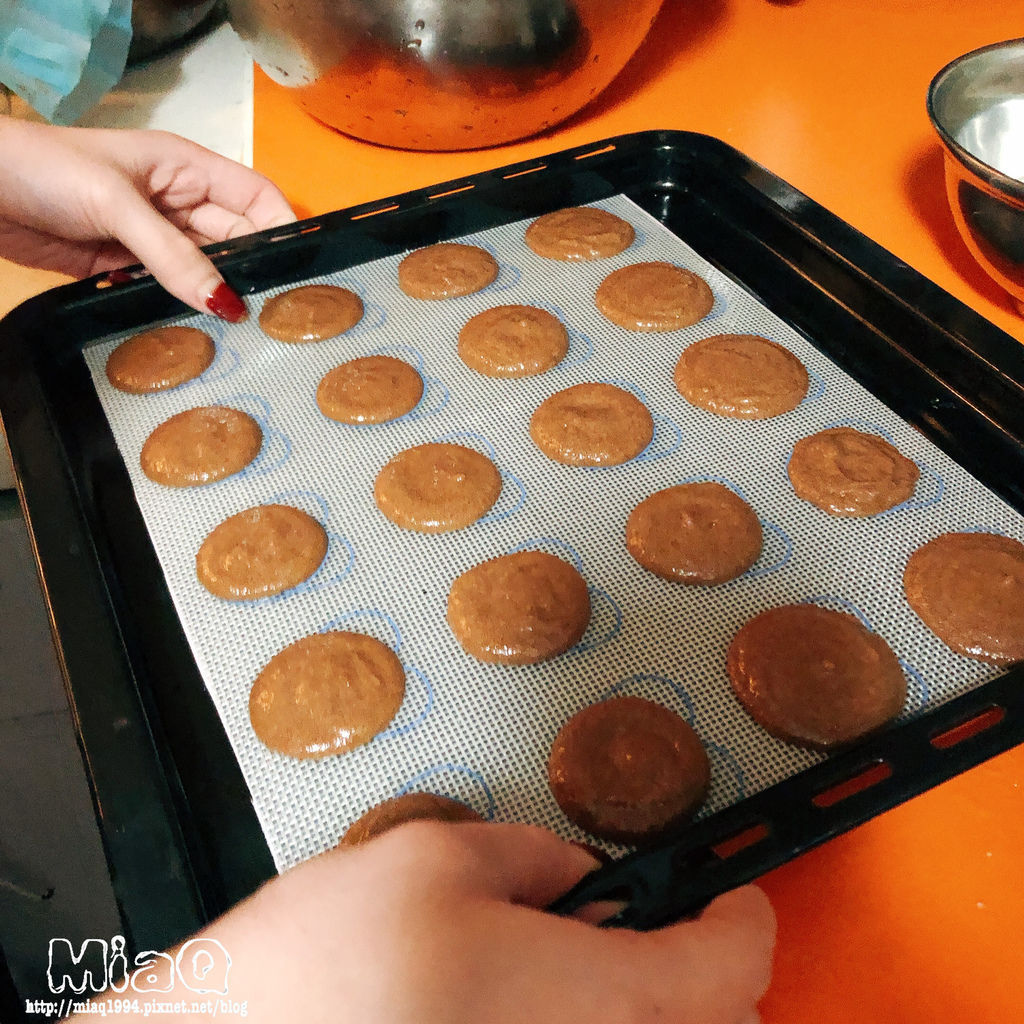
{"x": 442, "y": 74}
{"x": 976, "y": 104}
{"x": 159, "y": 25}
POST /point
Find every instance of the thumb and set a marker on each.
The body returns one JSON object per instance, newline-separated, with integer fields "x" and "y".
{"x": 172, "y": 258}
{"x": 736, "y": 932}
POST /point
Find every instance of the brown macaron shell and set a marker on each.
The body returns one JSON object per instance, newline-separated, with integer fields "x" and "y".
{"x": 446, "y": 270}
{"x": 654, "y": 297}
{"x": 311, "y": 312}
{"x": 437, "y": 487}
{"x": 815, "y": 677}
{"x": 742, "y": 376}
{"x": 850, "y": 473}
{"x": 628, "y": 770}
{"x": 968, "y": 589}
{"x": 519, "y": 609}
{"x": 201, "y": 445}
{"x": 698, "y": 533}
{"x": 592, "y": 424}
{"x": 259, "y": 552}
{"x": 398, "y": 810}
{"x": 159, "y": 359}
{"x": 579, "y": 233}
{"x": 325, "y": 694}
{"x": 513, "y": 341}
{"x": 370, "y": 389}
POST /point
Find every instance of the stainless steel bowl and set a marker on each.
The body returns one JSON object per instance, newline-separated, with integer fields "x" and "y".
{"x": 159, "y": 25}
{"x": 976, "y": 104}
{"x": 442, "y": 74}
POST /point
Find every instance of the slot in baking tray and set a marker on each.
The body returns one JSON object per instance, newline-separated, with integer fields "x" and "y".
{"x": 181, "y": 836}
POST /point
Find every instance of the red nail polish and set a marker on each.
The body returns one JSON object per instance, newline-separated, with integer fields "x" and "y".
{"x": 225, "y": 303}
{"x": 119, "y": 277}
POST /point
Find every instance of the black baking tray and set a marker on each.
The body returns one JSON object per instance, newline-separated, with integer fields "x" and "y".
{"x": 181, "y": 837}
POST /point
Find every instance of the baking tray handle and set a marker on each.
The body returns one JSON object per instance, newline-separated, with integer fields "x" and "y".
{"x": 676, "y": 880}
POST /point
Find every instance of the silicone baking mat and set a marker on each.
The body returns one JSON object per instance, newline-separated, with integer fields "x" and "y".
{"x": 482, "y": 733}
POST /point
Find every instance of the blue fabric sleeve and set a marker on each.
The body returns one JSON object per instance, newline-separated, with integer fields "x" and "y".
{"x": 62, "y": 56}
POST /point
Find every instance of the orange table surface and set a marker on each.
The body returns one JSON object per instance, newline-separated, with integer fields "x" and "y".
{"x": 917, "y": 915}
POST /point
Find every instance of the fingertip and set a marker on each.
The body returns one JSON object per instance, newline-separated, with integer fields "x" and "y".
{"x": 580, "y": 858}
{"x": 744, "y": 920}
{"x": 718, "y": 964}
{"x": 286, "y": 216}
{"x": 224, "y": 302}
{"x": 599, "y": 855}
{"x": 748, "y": 905}
{"x": 563, "y": 863}
{"x": 270, "y": 208}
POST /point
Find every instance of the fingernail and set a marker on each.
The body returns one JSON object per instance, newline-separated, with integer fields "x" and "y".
{"x": 225, "y": 302}
{"x": 119, "y": 277}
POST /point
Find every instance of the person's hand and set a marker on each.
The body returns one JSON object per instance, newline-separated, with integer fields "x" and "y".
{"x": 444, "y": 924}
{"x": 85, "y": 200}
